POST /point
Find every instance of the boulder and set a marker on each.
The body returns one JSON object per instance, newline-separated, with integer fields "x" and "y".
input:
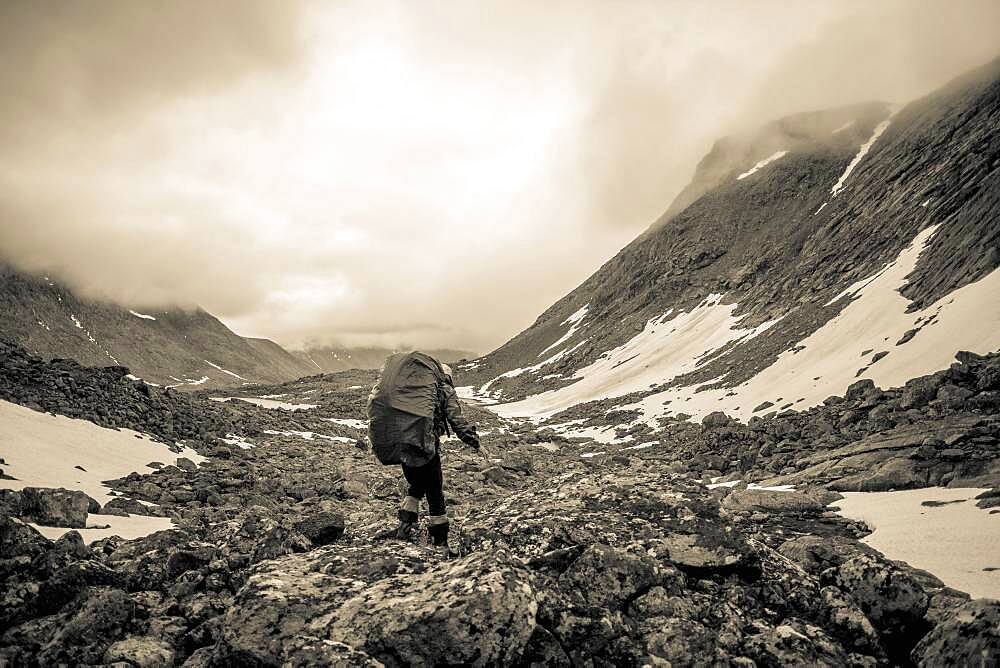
{"x": 895, "y": 473}
{"x": 815, "y": 554}
{"x": 321, "y": 528}
{"x": 795, "y": 643}
{"x": 20, "y": 540}
{"x": 141, "y": 652}
{"x": 770, "y": 501}
{"x": 969, "y": 636}
{"x": 606, "y": 577}
{"x": 716, "y": 420}
{"x": 476, "y": 610}
{"x": 186, "y": 464}
{"x": 702, "y": 552}
{"x": 919, "y": 391}
{"x": 307, "y": 650}
{"x": 519, "y": 460}
{"x": 891, "y": 598}
{"x": 953, "y": 396}
{"x": 859, "y": 389}
{"x": 56, "y": 507}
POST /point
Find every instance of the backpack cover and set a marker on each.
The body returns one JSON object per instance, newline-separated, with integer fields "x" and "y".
{"x": 401, "y": 409}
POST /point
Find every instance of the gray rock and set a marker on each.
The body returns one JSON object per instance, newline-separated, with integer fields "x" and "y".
{"x": 56, "y": 507}
{"x": 769, "y": 501}
{"x": 322, "y": 528}
{"x": 186, "y": 464}
{"x": 142, "y": 652}
{"x": 479, "y": 609}
{"x": 968, "y": 636}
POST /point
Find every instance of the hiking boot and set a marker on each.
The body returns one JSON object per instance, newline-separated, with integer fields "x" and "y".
{"x": 406, "y": 530}
{"x": 437, "y": 529}
{"x": 445, "y": 552}
{"x": 407, "y": 525}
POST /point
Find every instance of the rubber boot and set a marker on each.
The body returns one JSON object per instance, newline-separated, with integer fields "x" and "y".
{"x": 407, "y": 518}
{"x": 437, "y": 528}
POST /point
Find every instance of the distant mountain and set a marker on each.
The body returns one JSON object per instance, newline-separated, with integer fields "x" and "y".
{"x": 181, "y": 348}
{"x": 855, "y": 243}
{"x": 330, "y": 359}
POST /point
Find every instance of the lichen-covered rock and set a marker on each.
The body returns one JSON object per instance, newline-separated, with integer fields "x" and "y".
{"x": 892, "y": 598}
{"x": 606, "y": 577}
{"x": 141, "y": 652}
{"x": 479, "y": 610}
{"x": 796, "y": 643}
{"x": 969, "y": 636}
{"x": 770, "y": 501}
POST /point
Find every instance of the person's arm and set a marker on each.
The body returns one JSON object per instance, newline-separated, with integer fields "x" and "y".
{"x": 462, "y": 427}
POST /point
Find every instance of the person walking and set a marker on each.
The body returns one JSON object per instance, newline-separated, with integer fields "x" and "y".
{"x": 410, "y": 409}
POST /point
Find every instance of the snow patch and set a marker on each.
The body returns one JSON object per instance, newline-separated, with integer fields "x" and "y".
{"x": 669, "y": 345}
{"x": 234, "y": 375}
{"x": 350, "y": 422}
{"x": 956, "y": 542}
{"x": 762, "y": 164}
{"x": 42, "y": 450}
{"x": 574, "y": 322}
{"x": 237, "y": 440}
{"x": 862, "y": 152}
{"x": 309, "y": 435}
{"x": 141, "y": 315}
{"x": 827, "y": 361}
{"x": 270, "y": 403}
{"x": 843, "y": 127}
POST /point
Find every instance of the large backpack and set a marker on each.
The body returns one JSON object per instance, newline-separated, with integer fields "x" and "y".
{"x": 401, "y": 409}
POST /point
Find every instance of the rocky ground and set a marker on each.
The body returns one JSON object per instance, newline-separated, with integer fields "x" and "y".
{"x": 283, "y": 553}
{"x": 939, "y": 429}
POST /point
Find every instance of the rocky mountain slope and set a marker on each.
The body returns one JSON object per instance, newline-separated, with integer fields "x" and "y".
{"x": 283, "y": 554}
{"x": 177, "y": 348}
{"x": 330, "y": 359}
{"x": 855, "y": 243}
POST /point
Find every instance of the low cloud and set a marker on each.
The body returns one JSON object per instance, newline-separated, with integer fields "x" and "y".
{"x": 386, "y": 173}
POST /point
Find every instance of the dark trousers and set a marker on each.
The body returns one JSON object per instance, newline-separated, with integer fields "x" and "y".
{"x": 427, "y": 480}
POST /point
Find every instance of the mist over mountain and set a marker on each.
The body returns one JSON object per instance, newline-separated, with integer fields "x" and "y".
{"x": 854, "y": 243}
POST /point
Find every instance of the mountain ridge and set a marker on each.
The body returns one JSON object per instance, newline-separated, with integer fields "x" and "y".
{"x": 173, "y": 347}
{"x": 771, "y": 240}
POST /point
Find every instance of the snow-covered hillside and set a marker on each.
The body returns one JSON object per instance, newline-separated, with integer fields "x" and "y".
{"x": 860, "y": 243}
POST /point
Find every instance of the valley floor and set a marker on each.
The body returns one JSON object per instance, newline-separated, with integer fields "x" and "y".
{"x": 281, "y": 549}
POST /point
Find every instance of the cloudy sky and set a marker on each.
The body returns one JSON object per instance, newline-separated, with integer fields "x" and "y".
{"x": 430, "y": 173}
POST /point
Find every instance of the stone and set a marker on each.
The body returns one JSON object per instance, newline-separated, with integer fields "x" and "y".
{"x": 953, "y": 396}
{"x": 892, "y": 599}
{"x": 816, "y": 554}
{"x": 770, "y": 501}
{"x": 702, "y": 552}
{"x": 606, "y": 577}
{"x": 859, "y": 389}
{"x": 479, "y": 609}
{"x": 968, "y": 636}
{"x": 519, "y": 460}
{"x": 918, "y": 392}
{"x": 795, "y": 643}
{"x": 186, "y": 464}
{"x": 952, "y": 454}
{"x": 55, "y": 507}
{"x": 141, "y": 652}
{"x": 321, "y": 528}
{"x": 716, "y": 420}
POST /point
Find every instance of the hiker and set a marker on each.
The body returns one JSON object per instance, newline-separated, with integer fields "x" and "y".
{"x": 411, "y": 407}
